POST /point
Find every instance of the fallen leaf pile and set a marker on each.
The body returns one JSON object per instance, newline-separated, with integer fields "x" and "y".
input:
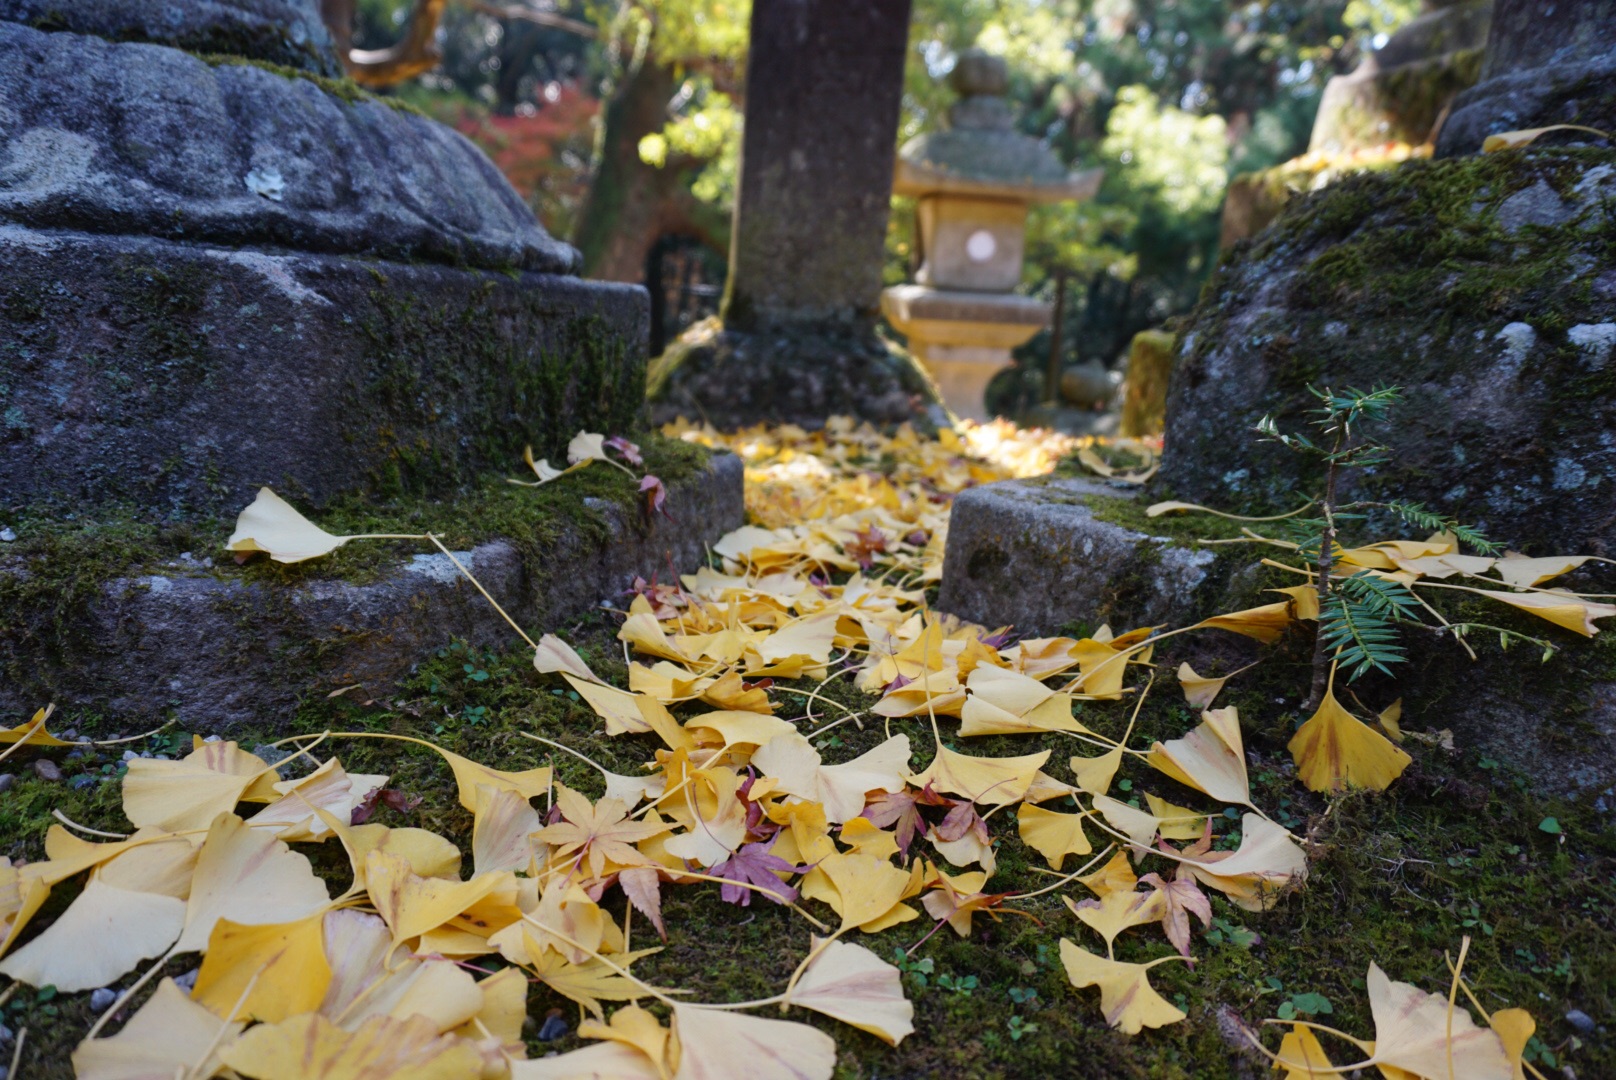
{"x": 422, "y": 966}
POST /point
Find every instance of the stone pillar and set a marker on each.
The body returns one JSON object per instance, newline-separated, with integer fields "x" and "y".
{"x": 215, "y": 276}
{"x": 823, "y": 83}
{"x": 796, "y": 341}
{"x": 1547, "y": 62}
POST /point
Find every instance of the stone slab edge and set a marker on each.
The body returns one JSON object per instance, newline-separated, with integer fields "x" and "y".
{"x": 215, "y": 653}
{"x": 1032, "y": 554}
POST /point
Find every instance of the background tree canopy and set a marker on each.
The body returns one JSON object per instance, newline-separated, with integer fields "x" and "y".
{"x": 628, "y": 135}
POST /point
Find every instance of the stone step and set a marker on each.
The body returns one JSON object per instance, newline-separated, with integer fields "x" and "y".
{"x": 213, "y": 649}
{"x": 1031, "y": 553}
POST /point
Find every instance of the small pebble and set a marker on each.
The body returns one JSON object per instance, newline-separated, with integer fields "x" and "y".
{"x": 129, "y": 755}
{"x": 47, "y": 770}
{"x": 187, "y": 981}
{"x": 554, "y": 1027}
{"x": 101, "y": 1000}
{"x": 82, "y": 781}
{"x": 70, "y": 735}
{"x": 6, "y": 780}
{"x": 7, "y": 1036}
{"x": 1581, "y": 1021}
{"x": 7, "y": 535}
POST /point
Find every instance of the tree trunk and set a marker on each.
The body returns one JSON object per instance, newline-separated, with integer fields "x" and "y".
{"x": 824, "y": 80}
{"x": 631, "y": 204}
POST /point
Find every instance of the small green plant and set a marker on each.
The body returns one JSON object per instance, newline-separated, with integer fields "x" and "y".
{"x": 1019, "y": 1027}
{"x": 916, "y": 969}
{"x": 1308, "y": 1004}
{"x": 959, "y": 984}
{"x": 1361, "y": 616}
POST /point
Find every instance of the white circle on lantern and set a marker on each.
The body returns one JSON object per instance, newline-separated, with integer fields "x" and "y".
{"x": 980, "y": 246}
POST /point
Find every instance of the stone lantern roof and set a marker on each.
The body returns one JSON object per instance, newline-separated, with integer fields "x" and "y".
{"x": 981, "y": 153}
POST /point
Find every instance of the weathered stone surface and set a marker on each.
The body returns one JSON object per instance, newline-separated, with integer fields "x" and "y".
{"x": 1480, "y": 285}
{"x": 135, "y": 138}
{"x": 286, "y": 32}
{"x": 797, "y": 374}
{"x": 1547, "y": 62}
{"x": 219, "y": 650}
{"x": 185, "y": 375}
{"x": 1042, "y": 555}
{"x": 1031, "y": 553}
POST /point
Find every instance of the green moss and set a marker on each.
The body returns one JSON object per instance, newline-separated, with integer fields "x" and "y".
{"x": 58, "y": 566}
{"x": 450, "y": 395}
{"x": 344, "y": 90}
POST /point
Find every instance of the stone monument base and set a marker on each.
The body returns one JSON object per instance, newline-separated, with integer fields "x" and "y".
{"x": 215, "y": 645}
{"x": 789, "y": 375}
{"x": 186, "y": 375}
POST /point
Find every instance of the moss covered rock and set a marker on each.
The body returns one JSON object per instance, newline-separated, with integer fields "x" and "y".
{"x": 1485, "y": 286}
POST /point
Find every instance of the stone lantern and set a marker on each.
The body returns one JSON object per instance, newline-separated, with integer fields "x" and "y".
{"x": 974, "y": 183}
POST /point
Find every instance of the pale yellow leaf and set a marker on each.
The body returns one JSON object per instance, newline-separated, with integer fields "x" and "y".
{"x": 169, "y": 1036}
{"x": 720, "y": 1045}
{"x": 103, "y": 935}
{"x": 851, "y": 984}
{"x": 1127, "y": 999}
{"x": 310, "y": 1047}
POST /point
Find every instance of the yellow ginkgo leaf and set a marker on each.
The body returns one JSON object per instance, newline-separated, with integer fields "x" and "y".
{"x": 602, "y": 1061}
{"x": 33, "y": 731}
{"x": 866, "y": 839}
{"x": 842, "y": 788}
{"x": 1127, "y": 999}
{"x": 330, "y": 788}
{"x": 1115, "y": 876}
{"x": 357, "y": 945}
{"x": 1302, "y": 1057}
{"x": 1199, "y": 690}
{"x": 1305, "y": 598}
{"x": 412, "y": 905}
{"x": 1523, "y": 573}
{"x": 1176, "y": 822}
{"x": 1560, "y": 608}
{"x": 1391, "y": 719}
{"x": 1267, "y": 862}
{"x": 501, "y": 837}
{"x": 619, "y": 708}
{"x": 850, "y": 983}
{"x": 1094, "y": 774}
{"x": 177, "y": 796}
{"x": 21, "y": 893}
{"x": 270, "y": 525}
{"x": 554, "y": 655}
{"x": 1266, "y": 623}
{"x": 638, "y": 1030}
{"x": 865, "y": 891}
{"x": 1515, "y": 1028}
{"x": 1116, "y": 911}
{"x": 1004, "y": 702}
{"x": 171, "y": 1036}
{"x": 1052, "y": 835}
{"x": 1210, "y": 759}
{"x": 1335, "y": 749}
{"x": 545, "y": 471}
{"x": 438, "y": 991}
{"x": 312, "y": 1046}
{"x": 739, "y": 727}
{"x": 1515, "y": 140}
{"x": 469, "y": 775}
{"x": 589, "y": 982}
{"x": 718, "y": 1045}
{"x": 102, "y": 936}
{"x": 267, "y": 972}
{"x": 994, "y": 781}
{"x": 248, "y": 877}
{"x": 503, "y": 1009}
{"x": 732, "y": 693}
{"x": 1412, "y": 1032}
{"x": 1139, "y": 827}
